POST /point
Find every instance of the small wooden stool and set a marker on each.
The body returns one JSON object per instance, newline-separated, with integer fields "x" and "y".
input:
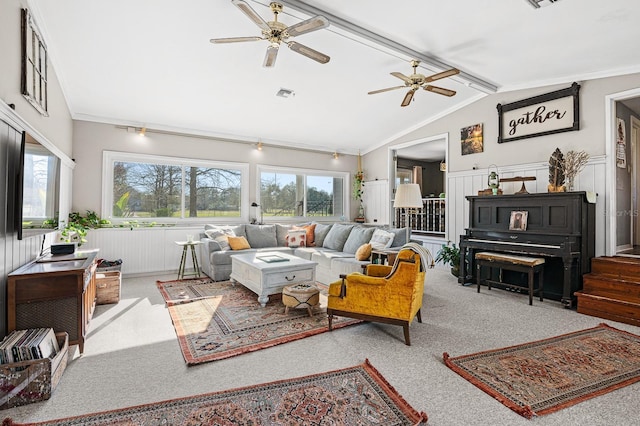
{"x": 299, "y": 296}
{"x": 510, "y": 262}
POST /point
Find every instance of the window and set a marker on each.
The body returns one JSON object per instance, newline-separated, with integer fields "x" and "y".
{"x": 34, "y": 65}
{"x": 152, "y": 187}
{"x": 288, "y": 192}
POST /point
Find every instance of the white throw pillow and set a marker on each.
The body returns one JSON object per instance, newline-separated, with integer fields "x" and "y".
{"x": 381, "y": 239}
{"x": 220, "y": 236}
{"x": 297, "y": 238}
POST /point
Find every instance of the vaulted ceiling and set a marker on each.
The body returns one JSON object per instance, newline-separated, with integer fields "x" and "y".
{"x": 149, "y": 63}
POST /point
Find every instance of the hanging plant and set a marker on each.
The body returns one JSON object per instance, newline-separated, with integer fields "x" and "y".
{"x": 358, "y": 181}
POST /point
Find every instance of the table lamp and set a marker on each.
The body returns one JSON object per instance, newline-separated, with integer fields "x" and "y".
{"x": 408, "y": 196}
{"x": 254, "y": 204}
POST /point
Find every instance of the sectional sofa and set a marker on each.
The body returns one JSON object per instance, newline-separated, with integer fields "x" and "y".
{"x": 332, "y": 246}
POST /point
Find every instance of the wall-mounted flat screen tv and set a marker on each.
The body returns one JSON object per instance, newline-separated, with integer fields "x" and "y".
{"x": 38, "y": 195}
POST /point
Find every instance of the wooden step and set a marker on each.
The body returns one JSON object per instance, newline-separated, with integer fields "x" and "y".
{"x": 617, "y": 266}
{"x": 604, "y": 307}
{"x": 612, "y": 287}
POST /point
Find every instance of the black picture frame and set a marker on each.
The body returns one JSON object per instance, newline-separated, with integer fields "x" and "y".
{"x": 543, "y": 119}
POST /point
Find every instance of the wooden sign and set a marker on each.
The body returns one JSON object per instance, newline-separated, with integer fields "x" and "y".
{"x": 541, "y": 115}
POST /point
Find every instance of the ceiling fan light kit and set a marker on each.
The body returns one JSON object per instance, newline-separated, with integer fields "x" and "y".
{"x": 416, "y": 81}
{"x": 276, "y": 32}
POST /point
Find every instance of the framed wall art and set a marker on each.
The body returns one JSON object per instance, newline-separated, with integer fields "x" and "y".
{"x": 34, "y": 65}
{"x": 553, "y": 112}
{"x": 518, "y": 220}
{"x": 471, "y": 139}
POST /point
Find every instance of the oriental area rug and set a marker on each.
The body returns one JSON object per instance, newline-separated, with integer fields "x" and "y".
{"x": 217, "y": 320}
{"x": 357, "y": 395}
{"x": 547, "y": 375}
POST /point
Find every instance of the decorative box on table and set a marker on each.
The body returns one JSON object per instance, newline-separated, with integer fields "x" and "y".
{"x": 25, "y": 382}
{"x": 108, "y": 287}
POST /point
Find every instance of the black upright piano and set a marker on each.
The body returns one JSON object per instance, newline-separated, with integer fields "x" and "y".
{"x": 560, "y": 227}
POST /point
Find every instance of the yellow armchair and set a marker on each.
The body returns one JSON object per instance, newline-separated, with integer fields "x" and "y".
{"x": 386, "y": 294}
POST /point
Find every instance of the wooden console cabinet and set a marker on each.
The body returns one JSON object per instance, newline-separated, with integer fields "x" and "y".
{"x": 55, "y": 291}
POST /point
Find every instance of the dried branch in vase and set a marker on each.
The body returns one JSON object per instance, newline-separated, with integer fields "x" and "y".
{"x": 574, "y": 162}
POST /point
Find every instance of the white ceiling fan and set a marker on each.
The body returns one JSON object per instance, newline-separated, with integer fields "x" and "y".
{"x": 416, "y": 81}
{"x": 276, "y": 33}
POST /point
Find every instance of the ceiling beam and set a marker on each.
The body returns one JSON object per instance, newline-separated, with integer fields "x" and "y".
{"x": 474, "y": 82}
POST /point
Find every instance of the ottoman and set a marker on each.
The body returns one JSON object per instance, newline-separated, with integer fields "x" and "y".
{"x": 299, "y": 296}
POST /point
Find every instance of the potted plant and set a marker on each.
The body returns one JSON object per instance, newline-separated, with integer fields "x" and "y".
{"x": 75, "y": 231}
{"x": 450, "y": 253}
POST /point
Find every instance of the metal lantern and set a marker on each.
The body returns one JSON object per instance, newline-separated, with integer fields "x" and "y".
{"x": 493, "y": 180}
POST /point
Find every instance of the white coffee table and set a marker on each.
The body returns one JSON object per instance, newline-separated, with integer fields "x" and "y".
{"x": 266, "y": 273}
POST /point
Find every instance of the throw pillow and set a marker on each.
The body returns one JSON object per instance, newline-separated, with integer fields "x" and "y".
{"x": 320, "y": 233}
{"x": 220, "y": 236}
{"x": 296, "y": 238}
{"x": 239, "y": 243}
{"x": 363, "y": 252}
{"x": 337, "y": 236}
{"x": 311, "y": 229}
{"x": 261, "y": 236}
{"x": 281, "y": 234}
{"x": 359, "y": 235}
{"x": 381, "y": 239}
{"x": 400, "y": 238}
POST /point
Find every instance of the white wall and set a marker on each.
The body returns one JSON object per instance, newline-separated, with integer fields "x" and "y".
{"x": 527, "y": 157}
{"x": 58, "y": 127}
{"x": 91, "y": 139}
{"x": 589, "y": 138}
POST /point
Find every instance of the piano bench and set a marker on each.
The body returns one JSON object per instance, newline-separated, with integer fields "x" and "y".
{"x": 529, "y": 265}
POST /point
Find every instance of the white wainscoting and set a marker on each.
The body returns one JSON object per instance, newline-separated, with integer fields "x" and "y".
{"x": 462, "y": 184}
{"x": 142, "y": 250}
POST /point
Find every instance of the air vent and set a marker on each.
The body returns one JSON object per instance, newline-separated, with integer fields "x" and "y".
{"x": 286, "y": 93}
{"x": 541, "y": 3}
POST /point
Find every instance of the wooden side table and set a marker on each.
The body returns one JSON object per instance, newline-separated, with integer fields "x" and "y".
{"x": 183, "y": 260}
{"x": 384, "y": 257}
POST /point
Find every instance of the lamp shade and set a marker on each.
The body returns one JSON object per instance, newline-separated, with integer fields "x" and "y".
{"x": 408, "y": 195}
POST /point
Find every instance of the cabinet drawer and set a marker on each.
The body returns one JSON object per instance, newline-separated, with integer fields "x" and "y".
{"x": 288, "y": 276}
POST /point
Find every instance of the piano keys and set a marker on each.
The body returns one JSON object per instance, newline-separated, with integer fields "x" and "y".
{"x": 560, "y": 228}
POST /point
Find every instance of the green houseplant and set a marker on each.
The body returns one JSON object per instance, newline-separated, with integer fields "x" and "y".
{"x": 450, "y": 254}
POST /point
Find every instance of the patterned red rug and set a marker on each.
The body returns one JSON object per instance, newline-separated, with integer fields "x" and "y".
{"x": 545, "y": 376}
{"x": 216, "y": 320}
{"x": 357, "y": 395}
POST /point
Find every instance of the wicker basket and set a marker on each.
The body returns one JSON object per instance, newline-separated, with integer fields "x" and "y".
{"x": 25, "y": 382}
{"x": 108, "y": 287}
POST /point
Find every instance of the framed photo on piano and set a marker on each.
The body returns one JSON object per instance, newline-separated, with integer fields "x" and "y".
{"x": 518, "y": 220}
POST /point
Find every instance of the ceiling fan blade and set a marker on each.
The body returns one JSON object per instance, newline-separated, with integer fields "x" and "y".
{"x": 386, "y": 90}
{"x": 247, "y": 10}
{"x": 402, "y": 77}
{"x": 407, "y": 98}
{"x": 270, "y": 57}
{"x": 308, "y": 52}
{"x": 443, "y": 74}
{"x": 440, "y": 90}
{"x": 234, "y": 39}
{"x": 312, "y": 24}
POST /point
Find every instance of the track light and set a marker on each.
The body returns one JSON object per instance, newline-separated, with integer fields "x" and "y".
{"x": 335, "y": 155}
{"x": 142, "y": 132}
{"x": 259, "y": 146}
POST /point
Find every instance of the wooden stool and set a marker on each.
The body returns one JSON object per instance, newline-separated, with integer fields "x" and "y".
{"x": 299, "y": 296}
{"x": 510, "y": 262}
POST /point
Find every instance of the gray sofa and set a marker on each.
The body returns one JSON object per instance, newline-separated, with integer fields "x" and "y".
{"x": 334, "y": 250}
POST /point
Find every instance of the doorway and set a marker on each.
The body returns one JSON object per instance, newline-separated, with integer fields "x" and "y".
{"x": 622, "y": 122}
{"x": 422, "y": 161}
